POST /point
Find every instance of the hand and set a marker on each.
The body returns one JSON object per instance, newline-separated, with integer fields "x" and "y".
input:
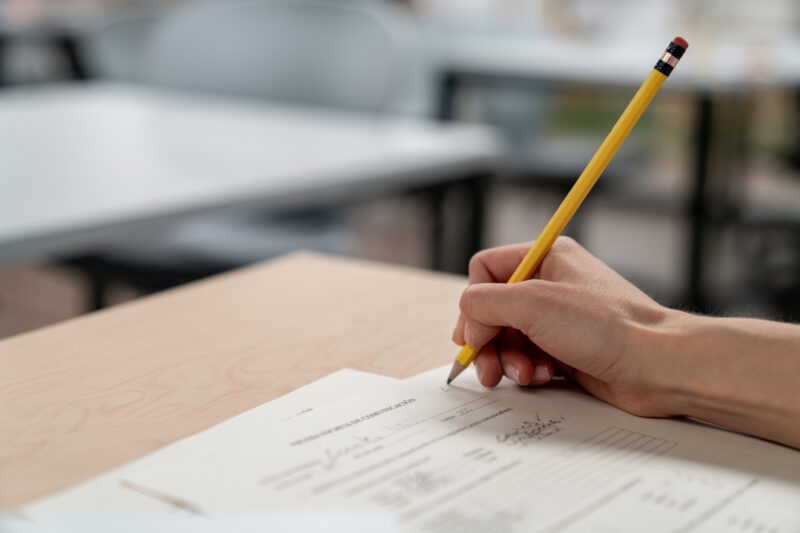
{"x": 579, "y": 319}
{"x": 576, "y": 318}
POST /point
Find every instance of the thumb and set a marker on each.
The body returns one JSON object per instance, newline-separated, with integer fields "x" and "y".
{"x": 487, "y": 307}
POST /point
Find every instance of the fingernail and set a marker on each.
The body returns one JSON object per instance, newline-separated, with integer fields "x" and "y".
{"x": 512, "y": 372}
{"x": 541, "y": 373}
{"x": 479, "y": 373}
{"x": 468, "y": 335}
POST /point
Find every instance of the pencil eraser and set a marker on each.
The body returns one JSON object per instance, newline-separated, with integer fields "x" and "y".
{"x": 680, "y": 41}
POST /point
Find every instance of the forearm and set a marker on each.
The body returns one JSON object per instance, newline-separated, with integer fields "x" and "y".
{"x": 739, "y": 373}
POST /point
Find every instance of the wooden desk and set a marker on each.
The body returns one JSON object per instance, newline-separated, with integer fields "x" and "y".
{"x": 93, "y": 393}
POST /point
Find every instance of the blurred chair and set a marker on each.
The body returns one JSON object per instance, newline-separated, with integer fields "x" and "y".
{"x": 114, "y": 49}
{"x": 344, "y": 55}
{"x": 348, "y": 55}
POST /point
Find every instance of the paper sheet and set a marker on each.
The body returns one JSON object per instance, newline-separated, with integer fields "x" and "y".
{"x": 272, "y": 522}
{"x": 463, "y": 459}
{"x": 109, "y": 493}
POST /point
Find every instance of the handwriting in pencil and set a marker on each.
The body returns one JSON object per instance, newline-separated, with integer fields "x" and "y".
{"x": 532, "y": 430}
{"x": 357, "y": 446}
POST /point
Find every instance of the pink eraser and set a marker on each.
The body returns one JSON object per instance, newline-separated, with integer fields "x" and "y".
{"x": 680, "y": 41}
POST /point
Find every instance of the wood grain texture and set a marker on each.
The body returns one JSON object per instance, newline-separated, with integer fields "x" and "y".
{"x": 93, "y": 393}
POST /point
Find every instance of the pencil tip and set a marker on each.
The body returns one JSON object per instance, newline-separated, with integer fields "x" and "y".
{"x": 456, "y": 370}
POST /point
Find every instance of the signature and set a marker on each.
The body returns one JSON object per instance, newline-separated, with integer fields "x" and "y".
{"x": 532, "y": 430}
{"x": 357, "y": 446}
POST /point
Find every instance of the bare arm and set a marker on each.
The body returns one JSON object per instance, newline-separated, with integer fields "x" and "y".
{"x": 735, "y": 372}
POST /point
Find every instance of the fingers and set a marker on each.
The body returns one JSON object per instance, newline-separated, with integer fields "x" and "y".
{"x": 487, "y": 366}
{"x": 522, "y": 361}
{"x": 487, "y": 307}
{"x": 516, "y": 363}
{"x": 543, "y": 370}
{"x": 458, "y": 332}
{"x": 496, "y": 264}
{"x": 515, "y": 357}
{"x": 491, "y": 266}
{"x": 478, "y": 334}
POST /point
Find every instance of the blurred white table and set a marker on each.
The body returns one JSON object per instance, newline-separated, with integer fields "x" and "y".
{"x": 83, "y": 164}
{"x": 707, "y": 65}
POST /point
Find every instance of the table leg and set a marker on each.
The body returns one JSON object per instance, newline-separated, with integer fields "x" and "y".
{"x": 698, "y": 204}
{"x": 458, "y": 212}
{"x": 448, "y": 88}
{"x": 96, "y": 292}
{"x": 477, "y": 190}
{"x": 69, "y": 47}
{"x": 472, "y": 198}
{"x": 437, "y": 196}
{"x": 3, "y": 52}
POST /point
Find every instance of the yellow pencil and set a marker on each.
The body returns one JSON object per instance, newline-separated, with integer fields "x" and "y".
{"x": 586, "y": 181}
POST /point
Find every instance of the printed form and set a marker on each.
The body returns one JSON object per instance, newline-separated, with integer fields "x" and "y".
{"x": 463, "y": 458}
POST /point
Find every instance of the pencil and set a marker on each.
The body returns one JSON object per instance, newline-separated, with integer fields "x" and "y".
{"x": 586, "y": 181}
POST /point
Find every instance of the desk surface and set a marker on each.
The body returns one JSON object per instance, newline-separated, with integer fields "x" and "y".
{"x": 81, "y": 164}
{"x": 93, "y": 393}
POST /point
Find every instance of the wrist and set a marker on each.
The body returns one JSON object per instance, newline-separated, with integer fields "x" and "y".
{"x": 733, "y": 372}
{"x": 663, "y": 349}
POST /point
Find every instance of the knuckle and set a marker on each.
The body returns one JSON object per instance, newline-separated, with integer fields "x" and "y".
{"x": 561, "y": 254}
{"x": 467, "y": 298}
{"x": 537, "y": 297}
{"x": 471, "y": 298}
{"x": 476, "y": 262}
{"x": 565, "y": 244}
{"x": 531, "y": 291}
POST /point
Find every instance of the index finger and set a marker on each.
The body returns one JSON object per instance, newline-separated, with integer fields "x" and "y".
{"x": 496, "y": 265}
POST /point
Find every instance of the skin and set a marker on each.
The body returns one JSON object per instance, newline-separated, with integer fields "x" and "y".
{"x": 579, "y": 319}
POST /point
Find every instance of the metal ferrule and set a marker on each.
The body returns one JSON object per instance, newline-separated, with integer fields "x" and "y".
{"x": 669, "y": 59}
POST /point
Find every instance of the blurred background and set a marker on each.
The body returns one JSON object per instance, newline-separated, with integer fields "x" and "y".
{"x": 701, "y": 207}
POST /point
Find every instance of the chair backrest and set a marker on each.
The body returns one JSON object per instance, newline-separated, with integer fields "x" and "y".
{"x": 115, "y": 47}
{"x": 351, "y": 55}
